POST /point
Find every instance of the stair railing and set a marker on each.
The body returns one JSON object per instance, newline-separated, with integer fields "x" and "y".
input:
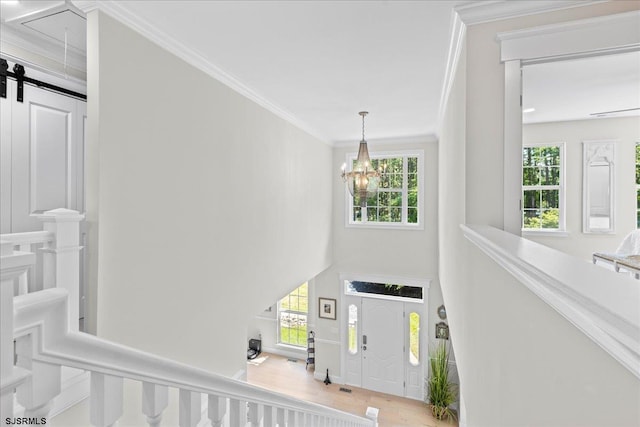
{"x": 45, "y": 341}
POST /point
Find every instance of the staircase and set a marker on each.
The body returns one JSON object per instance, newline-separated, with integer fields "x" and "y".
{"x": 40, "y": 341}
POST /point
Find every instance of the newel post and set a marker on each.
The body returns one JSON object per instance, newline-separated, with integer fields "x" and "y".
{"x": 61, "y": 260}
{"x": 12, "y": 266}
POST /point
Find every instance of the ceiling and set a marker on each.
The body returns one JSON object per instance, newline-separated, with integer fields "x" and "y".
{"x": 318, "y": 63}
{"x": 580, "y": 89}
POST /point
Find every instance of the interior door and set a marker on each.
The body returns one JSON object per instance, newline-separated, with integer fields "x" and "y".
{"x": 47, "y": 150}
{"x": 383, "y": 346}
{"x": 42, "y": 160}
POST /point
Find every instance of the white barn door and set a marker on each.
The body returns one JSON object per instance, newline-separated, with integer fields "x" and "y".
{"x": 47, "y": 156}
{"x": 42, "y": 159}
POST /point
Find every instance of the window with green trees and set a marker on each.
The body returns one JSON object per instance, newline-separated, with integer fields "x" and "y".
{"x": 397, "y": 201}
{"x": 292, "y": 314}
{"x": 638, "y": 185}
{"x": 542, "y": 187}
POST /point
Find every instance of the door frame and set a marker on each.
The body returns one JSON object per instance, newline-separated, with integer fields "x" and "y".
{"x": 424, "y": 313}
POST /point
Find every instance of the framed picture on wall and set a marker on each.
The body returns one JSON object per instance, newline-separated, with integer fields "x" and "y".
{"x": 327, "y": 308}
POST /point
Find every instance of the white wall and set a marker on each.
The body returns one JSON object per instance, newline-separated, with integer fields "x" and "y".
{"x": 207, "y": 206}
{"x": 624, "y": 129}
{"x": 520, "y": 363}
{"x": 383, "y": 252}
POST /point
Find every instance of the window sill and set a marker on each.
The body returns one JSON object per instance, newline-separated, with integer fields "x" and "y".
{"x": 549, "y": 233}
{"x": 383, "y": 226}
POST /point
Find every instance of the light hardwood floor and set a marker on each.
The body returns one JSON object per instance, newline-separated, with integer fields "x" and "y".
{"x": 278, "y": 374}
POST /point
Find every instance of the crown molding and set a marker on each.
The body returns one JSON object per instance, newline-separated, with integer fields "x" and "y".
{"x": 458, "y": 32}
{"x": 194, "y": 58}
{"x": 495, "y": 10}
{"x": 401, "y": 140}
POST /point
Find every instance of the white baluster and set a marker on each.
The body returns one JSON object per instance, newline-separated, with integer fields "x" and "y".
{"x": 372, "y": 414}
{"x": 155, "y": 399}
{"x": 255, "y": 414}
{"x": 237, "y": 413}
{"x": 280, "y": 417}
{"x": 268, "y": 416}
{"x": 106, "y": 399}
{"x": 36, "y": 394}
{"x": 12, "y": 266}
{"x": 308, "y": 419}
{"x": 190, "y": 408}
{"x": 217, "y": 409}
{"x": 316, "y": 420}
{"x": 291, "y": 418}
{"x": 61, "y": 261}
{"x": 23, "y": 280}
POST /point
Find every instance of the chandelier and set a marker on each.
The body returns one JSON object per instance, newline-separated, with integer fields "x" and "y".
{"x": 363, "y": 180}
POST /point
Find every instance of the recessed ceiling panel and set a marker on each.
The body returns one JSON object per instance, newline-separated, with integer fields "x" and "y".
{"x": 61, "y": 25}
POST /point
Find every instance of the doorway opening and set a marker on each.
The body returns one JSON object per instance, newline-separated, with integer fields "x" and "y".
{"x": 383, "y": 347}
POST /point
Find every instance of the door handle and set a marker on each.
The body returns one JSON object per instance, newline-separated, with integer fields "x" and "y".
{"x": 364, "y": 347}
{"x": 364, "y": 339}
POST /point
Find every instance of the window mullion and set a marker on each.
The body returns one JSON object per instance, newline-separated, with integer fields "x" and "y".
{"x": 405, "y": 190}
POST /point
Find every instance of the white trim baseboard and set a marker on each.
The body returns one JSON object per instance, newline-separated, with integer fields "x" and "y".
{"x": 320, "y": 376}
{"x": 292, "y": 354}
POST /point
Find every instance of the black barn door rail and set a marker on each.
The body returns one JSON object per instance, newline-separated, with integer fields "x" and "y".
{"x": 19, "y": 75}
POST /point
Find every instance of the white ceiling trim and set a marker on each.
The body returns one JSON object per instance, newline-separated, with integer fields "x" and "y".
{"x": 587, "y": 35}
{"x": 193, "y": 58}
{"x": 404, "y": 140}
{"x": 496, "y": 10}
{"x": 458, "y": 31}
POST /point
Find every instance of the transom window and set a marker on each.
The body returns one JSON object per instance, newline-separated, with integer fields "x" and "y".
{"x": 543, "y": 187}
{"x": 293, "y": 310}
{"x": 398, "y": 201}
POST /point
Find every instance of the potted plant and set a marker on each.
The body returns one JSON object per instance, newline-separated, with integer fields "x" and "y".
{"x": 442, "y": 392}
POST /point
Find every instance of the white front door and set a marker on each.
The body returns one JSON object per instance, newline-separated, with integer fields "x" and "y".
{"x": 382, "y": 346}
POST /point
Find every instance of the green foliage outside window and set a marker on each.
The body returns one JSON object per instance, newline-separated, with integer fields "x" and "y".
{"x": 541, "y": 187}
{"x": 293, "y": 310}
{"x": 386, "y": 206}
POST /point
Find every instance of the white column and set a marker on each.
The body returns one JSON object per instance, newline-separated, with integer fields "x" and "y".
{"x": 105, "y": 406}
{"x": 217, "y": 409}
{"x": 61, "y": 261}
{"x": 12, "y": 266}
{"x": 155, "y": 399}
{"x": 512, "y": 185}
{"x": 190, "y": 407}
